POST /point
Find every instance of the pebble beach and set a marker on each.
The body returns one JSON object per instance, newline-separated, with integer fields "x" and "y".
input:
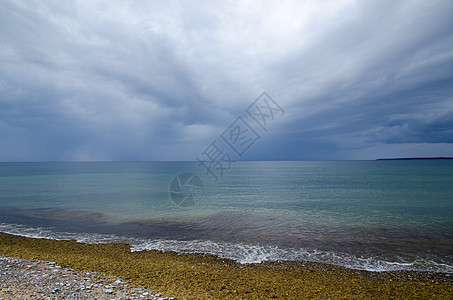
{"x": 33, "y": 268}
{"x": 34, "y": 279}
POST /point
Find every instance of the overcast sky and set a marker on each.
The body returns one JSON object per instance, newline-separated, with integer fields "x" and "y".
{"x": 161, "y": 80}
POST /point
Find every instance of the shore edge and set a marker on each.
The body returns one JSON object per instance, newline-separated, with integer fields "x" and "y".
{"x": 198, "y": 276}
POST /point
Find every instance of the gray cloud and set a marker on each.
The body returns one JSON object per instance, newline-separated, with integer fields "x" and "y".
{"x": 160, "y": 80}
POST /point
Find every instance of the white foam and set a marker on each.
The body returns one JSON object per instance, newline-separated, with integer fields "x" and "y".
{"x": 242, "y": 253}
{"x": 48, "y": 233}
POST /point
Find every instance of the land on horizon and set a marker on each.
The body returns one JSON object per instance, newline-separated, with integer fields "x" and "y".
{"x": 414, "y": 158}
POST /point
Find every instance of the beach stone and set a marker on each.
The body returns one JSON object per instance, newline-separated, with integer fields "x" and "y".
{"x": 35, "y": 282}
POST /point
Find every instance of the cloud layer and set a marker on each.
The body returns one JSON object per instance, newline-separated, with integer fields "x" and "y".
{"x": 160, "y": 80}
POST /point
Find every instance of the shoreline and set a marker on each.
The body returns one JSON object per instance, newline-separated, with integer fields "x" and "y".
{"x": 240, "y": 252}
{"x": 198, "y": 276}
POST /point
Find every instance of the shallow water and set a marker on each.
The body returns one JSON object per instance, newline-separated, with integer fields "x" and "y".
{"x": 374, "y": 215}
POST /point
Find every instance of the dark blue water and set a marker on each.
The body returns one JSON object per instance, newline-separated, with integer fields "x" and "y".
{"x": 375, "y": 215}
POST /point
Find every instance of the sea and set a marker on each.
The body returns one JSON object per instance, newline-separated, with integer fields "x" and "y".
{"x": 379, "y": 215}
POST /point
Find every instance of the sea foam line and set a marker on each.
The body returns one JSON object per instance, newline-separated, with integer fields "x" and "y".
{"x": 242, "y": 253}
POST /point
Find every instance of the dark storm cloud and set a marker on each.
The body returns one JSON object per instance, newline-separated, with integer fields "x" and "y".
{"x": 160, "y": 80}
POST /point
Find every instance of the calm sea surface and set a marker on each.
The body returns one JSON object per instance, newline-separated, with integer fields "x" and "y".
{"x": 373, "y": 215}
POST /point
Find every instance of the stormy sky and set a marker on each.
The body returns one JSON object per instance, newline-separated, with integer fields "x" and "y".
{"x": 161, "y": 80}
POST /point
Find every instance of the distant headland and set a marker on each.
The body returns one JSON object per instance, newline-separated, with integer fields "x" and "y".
{"x": 414, "y": 158}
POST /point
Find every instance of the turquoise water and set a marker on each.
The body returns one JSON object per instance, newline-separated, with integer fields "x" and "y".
{"x": 375, "y": 215}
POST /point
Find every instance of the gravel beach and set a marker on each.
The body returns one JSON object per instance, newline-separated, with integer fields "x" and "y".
{"x": 65, "y": 269}
{"x": 34, "y": 279}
